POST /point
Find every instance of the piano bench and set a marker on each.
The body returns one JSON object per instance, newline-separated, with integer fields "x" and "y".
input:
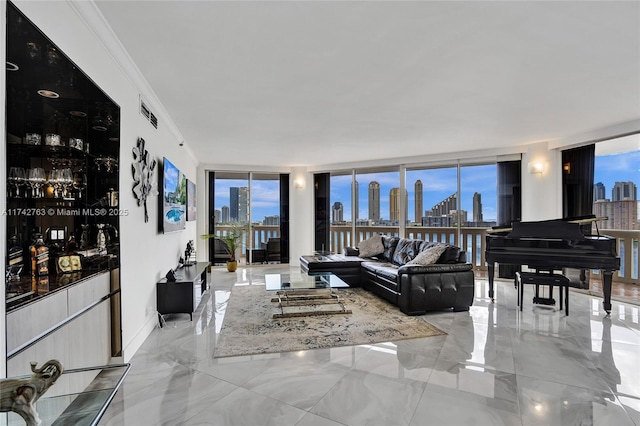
{"x": 537, "y": 278}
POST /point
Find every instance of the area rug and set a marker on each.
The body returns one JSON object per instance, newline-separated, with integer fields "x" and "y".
{"x": 248, "y": 327}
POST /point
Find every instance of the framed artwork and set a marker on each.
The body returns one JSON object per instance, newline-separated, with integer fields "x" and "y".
{"x": 174, "y": 198}
{"x": 191, "y": 200}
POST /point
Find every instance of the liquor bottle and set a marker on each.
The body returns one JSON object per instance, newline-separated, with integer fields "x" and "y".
{"x": 39, "y": 257}
{"x": 15, "y": 258}
{"x": 15, "y": 255}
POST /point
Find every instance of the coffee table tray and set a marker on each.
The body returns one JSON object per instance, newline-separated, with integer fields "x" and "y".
{"x": 306, "y": 293}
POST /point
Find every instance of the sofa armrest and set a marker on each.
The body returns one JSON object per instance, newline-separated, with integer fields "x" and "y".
{"x": 436, "y": 268}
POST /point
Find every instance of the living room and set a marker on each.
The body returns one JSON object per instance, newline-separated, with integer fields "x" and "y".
{"x": 549, "y": 107}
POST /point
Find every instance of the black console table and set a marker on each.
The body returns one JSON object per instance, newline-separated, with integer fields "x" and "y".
{"x": 179, "y": 296}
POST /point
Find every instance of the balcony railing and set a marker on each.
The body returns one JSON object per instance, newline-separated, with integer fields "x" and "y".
{"x": 473, "y": 242}
{"x": 259, "y": 233}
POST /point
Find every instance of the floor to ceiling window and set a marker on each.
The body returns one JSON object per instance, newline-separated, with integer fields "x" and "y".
{"x": 253, "y": 201}
{"x": 378, "y": 201}
{"x": 452, "y": 204}
{"x": 341, "y": 211}
{"x": 265, "y": 218}
{"x": 478, "y": 205}
{"x": 433, "y": 202}
{"x": 615, "y": 197}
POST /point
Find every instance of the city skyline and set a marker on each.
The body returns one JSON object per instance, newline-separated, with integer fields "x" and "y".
{"x": 437, "y": 185}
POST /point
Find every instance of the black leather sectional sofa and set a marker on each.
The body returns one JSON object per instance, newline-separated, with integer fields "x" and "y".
{"x": 415, "y": 289}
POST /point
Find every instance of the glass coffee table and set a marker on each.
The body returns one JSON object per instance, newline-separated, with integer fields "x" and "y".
{"x": 307, "y": 295}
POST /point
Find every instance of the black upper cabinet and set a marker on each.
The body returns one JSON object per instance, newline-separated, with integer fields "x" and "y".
{"x": 63, "y": 149}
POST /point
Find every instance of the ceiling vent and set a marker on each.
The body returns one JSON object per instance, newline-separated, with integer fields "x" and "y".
{"x": 146, "y": 113}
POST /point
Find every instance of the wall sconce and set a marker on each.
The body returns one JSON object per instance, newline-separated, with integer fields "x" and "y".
{"x": 298, "y": 183}
{"x": 537, "y": 167}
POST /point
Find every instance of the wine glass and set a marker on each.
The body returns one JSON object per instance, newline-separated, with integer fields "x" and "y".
{"x": 36, "y": 180}
{"x": 54, "y": 180}
{"x": 79, "y": 183}
{"x": 66, "y": 180}
{"x": 17, "y": 178}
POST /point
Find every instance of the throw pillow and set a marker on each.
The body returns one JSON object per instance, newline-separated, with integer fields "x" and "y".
{"x": 428, "y": 256}
{"x": 371, "y": 247}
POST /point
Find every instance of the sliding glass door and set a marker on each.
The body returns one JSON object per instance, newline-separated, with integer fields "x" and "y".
{"x": 252, "y": 201}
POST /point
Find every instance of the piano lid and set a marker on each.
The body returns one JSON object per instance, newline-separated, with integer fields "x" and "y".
{"x": 557, "y": 229}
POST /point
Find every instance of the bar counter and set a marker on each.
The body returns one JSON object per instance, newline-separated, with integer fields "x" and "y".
{"x": 27, "y": 290}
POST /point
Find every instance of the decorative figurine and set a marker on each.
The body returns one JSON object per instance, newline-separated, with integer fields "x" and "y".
{"x": 20, "y": 395}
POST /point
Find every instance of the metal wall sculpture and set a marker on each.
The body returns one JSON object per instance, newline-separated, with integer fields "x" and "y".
{"x": 143, "y": 169}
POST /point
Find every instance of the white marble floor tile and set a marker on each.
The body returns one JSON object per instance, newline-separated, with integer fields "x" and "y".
{"x": 496, "y": 365}
{"x": 545, "y": 403}
{"x": 244, "y": 408}
{"x": 171, "y": 400}
{"x": 475, "y": 379}
{"x": 299, "y": 384}
{"x": 555, "y": 359}
{"x": 311, "y": 419}
{"x": 444, "y": 405}
{"x": 364, "y": 398}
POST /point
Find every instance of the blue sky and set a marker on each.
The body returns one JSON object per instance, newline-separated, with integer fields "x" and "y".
{"x": 617, "y": 168}
{"x": 437, "y": 184}
{"x": 265, "y": 197}
{"x": 170, "y": 176}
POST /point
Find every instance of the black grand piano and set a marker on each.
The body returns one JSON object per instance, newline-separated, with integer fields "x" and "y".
{"x": 553, "y": 245}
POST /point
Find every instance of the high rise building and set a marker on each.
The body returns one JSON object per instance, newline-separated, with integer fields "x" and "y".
{"x": 337, "y": 212}
{"x": 238, "y": 209}
{"x": 374, "y": 201}
{"x": 624, "y": 191}
{"x": 445, "y": 206}
{"x": 599, "y": 192}
{"x": 271, "y": 220}
{"x": 225, "y": 217}
{"x": 394, "y": 204}
{"x": 216, "y": 216}
{"x": 417, "y": 189}
{"x": 477, "y": 207}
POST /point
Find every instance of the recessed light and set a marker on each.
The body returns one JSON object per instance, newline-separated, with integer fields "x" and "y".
{"x": 78, "y": 113}
{"x": 48, "y": 93}
{"x": 114, "y": 139}
{"x": 12, "y": 67}
{"x": 99, "y": 128}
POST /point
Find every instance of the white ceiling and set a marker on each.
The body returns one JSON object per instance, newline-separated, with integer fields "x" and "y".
{"x": 308, "y": 83}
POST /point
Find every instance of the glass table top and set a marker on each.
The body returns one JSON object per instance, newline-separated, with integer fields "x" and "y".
{"x": 279, "y": 282}
{"x": 79, "y": 397}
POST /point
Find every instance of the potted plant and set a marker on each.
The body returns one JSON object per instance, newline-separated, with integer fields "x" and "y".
{"x": 232, "y": 240}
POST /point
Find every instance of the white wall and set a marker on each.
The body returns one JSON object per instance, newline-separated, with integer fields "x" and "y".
{"x": 146, "y": 255}
{"x": 541, "y": 192}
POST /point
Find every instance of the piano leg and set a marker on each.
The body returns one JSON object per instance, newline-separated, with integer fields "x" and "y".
{"x": 490, "y": 270}
{"x": 607, "y": 277}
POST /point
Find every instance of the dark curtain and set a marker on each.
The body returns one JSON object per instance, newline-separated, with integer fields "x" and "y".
{"x": 508, "y": 191}
{"x": 509, "y": 203}
{"x": 578, "y": 169}
{"x": 321, "y": 182}
{"x": 284, "y": 218}
{"x": 212, "y": 222}
{"x": 577, "y": 182}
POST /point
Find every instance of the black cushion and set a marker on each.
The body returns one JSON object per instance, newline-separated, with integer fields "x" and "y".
{"x": 389, "y": 244}
{"x": 450, "y": 255}
{"x": 406, "y": 250}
